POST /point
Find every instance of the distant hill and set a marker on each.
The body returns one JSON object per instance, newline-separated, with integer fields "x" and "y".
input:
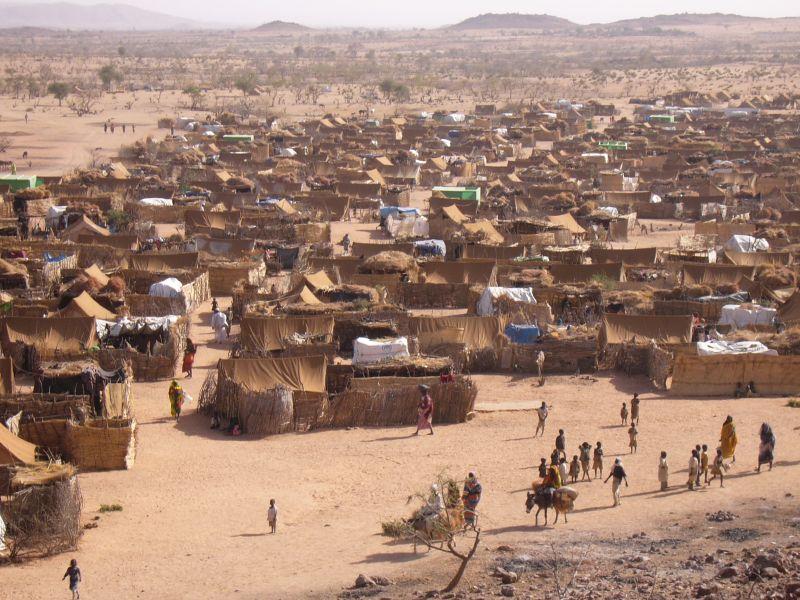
{"x": 685, "y": 20}
{"x": 281, "y": 27}
{"x": 64, "y": 15}
{"x": 515, "y": 21}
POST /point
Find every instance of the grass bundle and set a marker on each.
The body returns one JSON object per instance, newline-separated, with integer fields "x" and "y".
{"x": 387, "y": 262}
{"x": 775, "y": 276}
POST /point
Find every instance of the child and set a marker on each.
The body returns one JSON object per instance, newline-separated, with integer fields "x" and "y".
{"x": 272, "y": 516}
{"x": 694, "y": 469}
{"x": 623, "y": 413}
{"x": 632, "y": 434}
{"x": 543, "y": 468}
{"x": 574, "y": 469}
{"x": 74, "y": 574}
{"x": 635, "y": 409}
{"x": 562, "y": 470}
{"x": 663, "y": 471}
{"x": 704, "y": 464}
{"x": 699, "y": 451}
{"x": 718, "y": 468}
{"x": 597, "y": 463}
{"x": 586, "y": 452}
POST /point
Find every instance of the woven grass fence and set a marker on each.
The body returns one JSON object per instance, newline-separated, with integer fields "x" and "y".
{"x": 433, "y": 295}
{"x": 396, "y": 403}
{"x": 103, "y": 444}
{"x": 45, "y": 406}
{"x": 42, "y": 520}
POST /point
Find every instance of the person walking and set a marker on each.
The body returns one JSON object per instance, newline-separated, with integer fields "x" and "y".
{"x": 188, "y": 358}
{"x": 542, "y": 412}
{"x": 540, "y": 367}
{"x": 74, "y": 574}
{"x": 663, "y": 471}
{"x": 585, "y": 451}
{"x": 424, "y": 410}
{"x": 619, "y": 475}
{"x": 219, "y": 323}
{"x": 718, "y": 467}
{"x": 633, "y": 434}
{"x": 703, "y": 464}
{"x": 728, "y": 439}
{"x": 635, "y": 409}
{"x": 272, "y": 516}
{"x": 175, "y": 399}
{"x": 766, "y": 447}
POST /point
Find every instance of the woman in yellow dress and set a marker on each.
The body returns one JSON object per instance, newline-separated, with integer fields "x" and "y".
{"x": 728, "y": 439}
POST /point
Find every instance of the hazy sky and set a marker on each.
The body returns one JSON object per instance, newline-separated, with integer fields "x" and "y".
{"x": 427, "y": 13}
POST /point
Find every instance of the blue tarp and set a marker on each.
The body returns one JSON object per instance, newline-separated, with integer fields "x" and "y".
{"x": 430, "y": 248}
{"x": 522, "y": 334}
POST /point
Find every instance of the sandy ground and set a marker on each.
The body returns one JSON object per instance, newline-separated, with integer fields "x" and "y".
{"x": 194, "y": 518}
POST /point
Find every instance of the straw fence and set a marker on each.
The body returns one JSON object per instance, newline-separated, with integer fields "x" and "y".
{"x": 224, "y": 277}
{"x": 45, "y": 406}
{"x": 103, "y": 444}
{"x": 42, "y": 520}
{"x": 434, "y": 295}
{"x": 389, "y": 401}
{"x": 150, "y": 367}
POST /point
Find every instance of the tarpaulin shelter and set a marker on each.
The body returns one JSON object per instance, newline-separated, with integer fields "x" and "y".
{"x": 746, "y": 315}
{"x": 698, "y": 273}
{"x": 271, "y": 333}
{"x": 789, "y": 311}
{"x": 484, "y": 229}
{"x": 196, "y": 218}
{"x": 84, "y": 226}
{"x": 665, "y": 329}
{"x": 163, "y": 262}
{"x": 568, "y": 222}
{"x": 318, "y": 281}
{"x": 69, "y": 336}
{"x": 718, "y": 375}
{"x": 367, "y": 351}
{"x": 569, "y": 273}
{"x": 300, "y": 373}
{"x": 627, "y": 256}
{"x": 86, "y": 306}
{"x": 14, "y": 450}
{"x": 478, "y": 332}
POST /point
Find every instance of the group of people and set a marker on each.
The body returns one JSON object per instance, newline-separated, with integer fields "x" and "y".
{"x": 112, "y": 126}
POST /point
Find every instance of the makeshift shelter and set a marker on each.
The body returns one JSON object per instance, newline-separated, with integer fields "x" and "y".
{"x": 84, "y": 226}
{"x": 368, "y": 352}
{"x": 626, "y": 256}
{"x": 743, "y": 316}
{"x": 568, "y": 222}
{"x": 718, "y": 375}
{"x": 268, "y": 334}
{"x": 568, "y": 273}
{"x": 15, "y": 450}
{"x": 473, "y": 332}
{"x": 714, "y": 275}
{"x": 28, "y": 340}
{"x": 163, "y": 262}
{"x": 665, "y": 329}
{"x": 86, "y": 306}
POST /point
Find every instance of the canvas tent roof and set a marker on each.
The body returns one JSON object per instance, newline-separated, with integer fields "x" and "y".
{"x": 163, "y": 262}
{"x": 14, "y": 450}
{"x": 216, "y": 220}
{"x": 479, "y": 332}
{"x": 270, "y": 333}
{"x": 568, "y": 222}
{"x": 95, "y": 273}
{"x": 84, "y": 225}
{"x": 459, "y": 272}
{"x": 86, "y": 306}
{"x": 318, "y": 281}
{"x": 485, "y": 228}
{"x": 668, "y": 329}
{"x": 298, "y": 373}
{"x": 454, "y": 214}
{"x": 568, "y": 273}
{"x": 789, "y": 311}
{"x": 628, "y": 256}
{"x": 69, "y": 335}
{"x": 698, "y": 273}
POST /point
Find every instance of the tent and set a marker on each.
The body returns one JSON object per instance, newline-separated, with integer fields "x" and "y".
{"x": 568, "y": 222}
{"x": 668, "y": 329}
{"x": 271, "y": 333}
{"x": 490, "y": 294}
{"x": 627, "y": 256}
{"x": 568, "y": 273}
{"x": 97, "y": 275}
{"x": 716, "y": 347}
{"x": 86, "y": 306}
{"x": 297, "y": 373}
{"x": 66, "y": 336}
{"x": 746, "y": 243}
{"x": 318, "y": 281}
{"x": 84, "y": 226}
{"x": 478, "y": 332}
{"x": 15, "y": 450}
{"x": 746, "y": 315}
{"x": 699, "y": 273}
{"x": 484, "y": 229}
{"x": 163, "y": 262}
{"x": 167, "y": 288}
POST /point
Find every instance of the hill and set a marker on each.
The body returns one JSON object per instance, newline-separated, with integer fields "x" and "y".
{"x": 281, "y": 27}
{"x": 65, "y": 15}
{"x": 515, "y": 21}
{"x": 686, "y": 20}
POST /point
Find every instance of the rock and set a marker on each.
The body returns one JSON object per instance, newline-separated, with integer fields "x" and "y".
{"x": 381, "y": 581}
{"x": 727, "y": 572}
{"x": 706, "y": 589}
{"x": 505, "y": 548}
{"x": 793, "y": 587}
{"x": 500, "y": 571}
{"x": 711, "y": 559}
{"x": 763, "y": 561}
{"x": 363, "y": 581}
{"x": 510, "y": 577}
{"x": 432, "y": 594}
{"x": 507, "y": 590}
{"x": 770, "y": 572}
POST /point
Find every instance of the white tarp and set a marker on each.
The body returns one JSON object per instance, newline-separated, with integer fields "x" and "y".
{"x": 2, "y": 534}
{"x": 746, "y": 243}
{"x": 611, "y": 211}
{"x": 115, "y": 329}
{"x": 721, "y": 347}
{"x": 168, "y": 288}
{"x": 367, "y": 351}
{"x": 486, "y": 303}
{"x": 407, "y": 226}
{"x": 745, "y": 315}
{"x": 54, "y": 215}
{"x": 156, "y": 201}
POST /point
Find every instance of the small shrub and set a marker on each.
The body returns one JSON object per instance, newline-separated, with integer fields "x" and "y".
{"x": 104, "y": 508}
